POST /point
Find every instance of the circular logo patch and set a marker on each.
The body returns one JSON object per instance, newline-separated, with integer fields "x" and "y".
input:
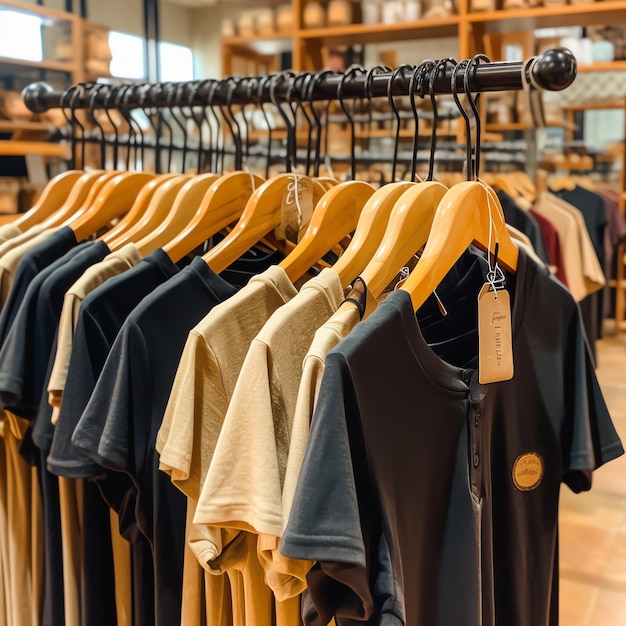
{"x": 528, "y": 471}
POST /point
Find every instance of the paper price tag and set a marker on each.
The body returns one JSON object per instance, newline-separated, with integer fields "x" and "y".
{"x": 495, "y": 345}
{"x": 296, "y": 210}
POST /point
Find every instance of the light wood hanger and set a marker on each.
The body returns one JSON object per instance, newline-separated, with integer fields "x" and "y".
{"x": 222, "y": 205}
{"x": 116, "y": 197}
{"x": 140, "y": 206}
{"x": 186, "y": 204}
{"x": 468, "y": 213}
{"x": 82, "y": 194}
{"x": 336, "y": 215}
{"x": 52, "y": 198}
{"x": 261, "y": 215}
{"x": 156, "y": 212}
{"x": 369, "y": 231}
{"x": 407, "y": 231}
{"x": 564, "y": 182}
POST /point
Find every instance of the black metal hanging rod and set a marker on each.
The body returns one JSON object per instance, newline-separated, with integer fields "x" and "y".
{"x": 554, "y": 70}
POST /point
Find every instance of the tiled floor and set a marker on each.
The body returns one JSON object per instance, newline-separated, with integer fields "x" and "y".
{"x": 593, "y": 524}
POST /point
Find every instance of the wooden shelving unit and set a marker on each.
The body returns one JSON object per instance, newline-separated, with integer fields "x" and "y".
{"x": 64, "y": 63}
{"x": 470, "y": 29}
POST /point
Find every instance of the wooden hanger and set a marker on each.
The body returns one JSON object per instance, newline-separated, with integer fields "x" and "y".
{"x": 82, "y": 194}
{"x": 369, "y": 231}
{"x": 52, "y": 198}
{"x": 468, "y": 213}
{"x": 327, "y": 182}
{"x": 336, "y": 215}
{"x": 222, "y": 205}
{"x": 155, "y": 213}
{"x": 261, "y": 215}
{"x": 140, "y": 206}
{"x": 181, "y": 212}
{"x": 524, "y": 184}
{"x": 562, "y": 183}
{"x": 116, "y": 197}
{"x": 407, "y": 231}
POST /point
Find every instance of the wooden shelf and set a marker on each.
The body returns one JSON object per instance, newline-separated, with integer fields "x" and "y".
{"x": 519, "y": 126}
{"x": 42, "y": 148}
{"x": 606, "y": 66}
{"x": 8, "y": 126}
{"x": 376, "y": 33}
{"x": 58, "y": 66}
{"x": 595, "y": 105}
{"x": 518, "y": 20}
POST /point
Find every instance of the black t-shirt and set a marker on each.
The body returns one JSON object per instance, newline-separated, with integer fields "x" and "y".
{"x": 525, "y": 222}
{"x": 593, "y": 208}
{"x": 463, "y": 478}
{"x": 100, "y": 317}
{"x": 21, "y": 356}
{"x": 33, "y": 262}
{"x": 119, "y": 425}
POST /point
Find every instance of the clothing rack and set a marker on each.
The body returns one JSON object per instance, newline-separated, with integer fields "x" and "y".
{"x": 554, "y": 70}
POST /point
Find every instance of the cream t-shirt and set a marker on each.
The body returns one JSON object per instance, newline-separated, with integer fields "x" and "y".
{"x": 203, "y": 386}
{"x": 244, "y": 483}
{"x": 9, "y": 231}
{"x": 94, "y": 276}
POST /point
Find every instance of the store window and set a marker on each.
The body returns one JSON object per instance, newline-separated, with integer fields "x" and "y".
{"x": 176, "y": 62}
{"x": 128, "y": 55}
{"x": 129, "y": 58}
{"x": 20, "y": 36}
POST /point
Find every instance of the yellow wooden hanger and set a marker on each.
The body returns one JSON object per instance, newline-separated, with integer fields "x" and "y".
{"x": 369, "y": 231}
{"x": 135, "y": 213}
{"x": 336, "y": 215}
{"x": 52, "y": 198}
{"x": 407, "y": 231}
{"x": 186, "y": 204}
{"x": 82, "y": 194}
{"x": 260, "y": 216}
{"x": 469, "y": 212}
{"x": 222, "y": 205}
{"x": 116, "y": 197}
{"x": 156, "y": 212}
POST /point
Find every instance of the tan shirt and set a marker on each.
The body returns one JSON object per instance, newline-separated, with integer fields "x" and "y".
{"x": 112, "y": 265}
{"x": 584, "y": 274}
{"x": 204, "y": 384}
{"x": 244, "y": 484}
{"x": 21, "y": 530}
{"x": 9, "y": 231}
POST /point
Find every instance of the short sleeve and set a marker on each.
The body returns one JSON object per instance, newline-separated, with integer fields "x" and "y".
{"x": 589, "y": 436}
{"x": 325, "y": 523}
{"x": 243, "y": 483}
{"x": 89, "y": 350}
{"x": 193, "y": 417}
{"x": 104, "y": 431}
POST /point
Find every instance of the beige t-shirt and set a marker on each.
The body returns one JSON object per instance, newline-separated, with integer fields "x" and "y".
{"x": 203, "y": 386}
{"x": 11, "y": 259}
{"x": 94, "y": 276}
{"x": 584, "y": 277}
{"x": 244, "y": 483}
{"x": 9, "y": 231}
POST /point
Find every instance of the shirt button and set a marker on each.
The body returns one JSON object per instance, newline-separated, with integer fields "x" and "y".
{"x": 477, "y": 418}
{"x": 476, "y": 460}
